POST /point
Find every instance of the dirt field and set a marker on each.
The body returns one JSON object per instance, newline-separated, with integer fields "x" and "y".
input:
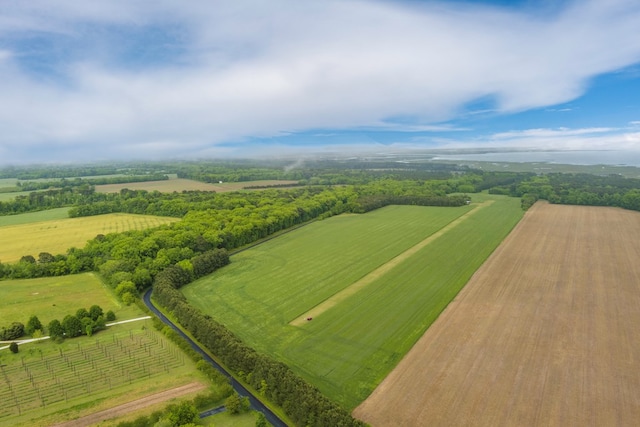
{"x": 135, "y": 405}
{"x": 544, "y": 334}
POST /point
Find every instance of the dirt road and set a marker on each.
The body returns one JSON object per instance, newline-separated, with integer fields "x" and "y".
{"x": 121, "y": 410}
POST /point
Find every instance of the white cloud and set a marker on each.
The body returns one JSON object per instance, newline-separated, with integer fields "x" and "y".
{"x": 623, "y": 139}
{"x": 549, "y": 133}
{"x": 248, "y": 68}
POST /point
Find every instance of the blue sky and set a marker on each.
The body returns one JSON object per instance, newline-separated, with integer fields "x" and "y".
{"x": 158, "y": 79}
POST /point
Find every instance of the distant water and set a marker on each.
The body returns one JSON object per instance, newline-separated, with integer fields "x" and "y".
{"x": 609, "y": 157}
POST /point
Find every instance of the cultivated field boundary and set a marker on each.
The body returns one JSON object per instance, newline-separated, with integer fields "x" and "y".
{"x": 355, "y": 287}
{"x": 135, "y": 405}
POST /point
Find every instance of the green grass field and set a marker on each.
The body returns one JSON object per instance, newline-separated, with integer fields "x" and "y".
{"x": 54, "y": 297}
{"x": 348, "y": 349}
{"x": 57, "y": 235}
{"x": 28, "y": 218}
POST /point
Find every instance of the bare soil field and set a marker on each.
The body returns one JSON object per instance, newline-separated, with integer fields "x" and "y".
{"x": 544, "y": 334}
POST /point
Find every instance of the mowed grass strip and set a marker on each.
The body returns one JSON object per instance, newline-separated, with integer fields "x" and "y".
{"x": 56, "y": 236}
{"x": 348, "y": 350}
{"x": 357, "y": 343}
{"x": 377, "y": 273}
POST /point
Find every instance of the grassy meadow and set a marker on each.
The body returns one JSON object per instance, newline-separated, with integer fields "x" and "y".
{"x": 57, "y": 235}
{"x": 54, "y": 297}
{"x": 348, "y": 349}
{"x": 28, "y": 218}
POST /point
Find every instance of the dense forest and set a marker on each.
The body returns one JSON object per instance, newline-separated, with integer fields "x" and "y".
{"x": 213, "y": 225}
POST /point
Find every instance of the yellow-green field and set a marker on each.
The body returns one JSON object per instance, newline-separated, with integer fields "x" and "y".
{"x": 179, "y": 184}
{"x": 56, "y": 236}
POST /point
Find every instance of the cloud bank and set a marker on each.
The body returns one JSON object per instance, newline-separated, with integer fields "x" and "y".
{"x": 152, "y": 79}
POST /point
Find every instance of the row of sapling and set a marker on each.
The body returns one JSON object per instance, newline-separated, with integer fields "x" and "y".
{"x": 84, "y": 322}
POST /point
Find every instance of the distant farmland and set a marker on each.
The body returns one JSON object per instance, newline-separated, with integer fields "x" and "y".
{"x": 56, "y": 236}
{"x": 179, "y": 184}
{"x": 545, "y": 334}
{"x": 372, "y": 283}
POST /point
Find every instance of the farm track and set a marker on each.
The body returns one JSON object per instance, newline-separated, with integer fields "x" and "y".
{"x": 544, "y": 334}
{"x": 135, "y": 405}
{"x": 382, "y": 270}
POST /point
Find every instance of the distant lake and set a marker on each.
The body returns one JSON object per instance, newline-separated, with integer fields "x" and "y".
{"x": 600, "y": 157}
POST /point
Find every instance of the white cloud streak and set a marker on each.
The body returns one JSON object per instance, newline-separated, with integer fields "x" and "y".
{"x": 619, "y": 139}
{"x": 223, "y": 71}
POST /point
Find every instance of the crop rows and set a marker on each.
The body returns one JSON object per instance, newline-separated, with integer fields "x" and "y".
{"x": 58, "y": 235}
{"x": 93, "y": 368}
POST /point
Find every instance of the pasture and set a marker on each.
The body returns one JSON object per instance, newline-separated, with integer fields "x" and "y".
{"x": 351, "y": 345}
{"x": 548, "y": 325}
{"x": 54, "y": 297}
{"x": 27, "y": 218}
{"x": 57, "y": 235}
{"x": 180, "y": 184}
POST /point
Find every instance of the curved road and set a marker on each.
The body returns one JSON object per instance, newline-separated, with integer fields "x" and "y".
{"x": 256, "y": 405}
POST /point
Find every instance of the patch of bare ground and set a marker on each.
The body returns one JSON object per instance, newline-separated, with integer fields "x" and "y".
{"x": 544, "y": 334}
{"x": 135, "y": 405}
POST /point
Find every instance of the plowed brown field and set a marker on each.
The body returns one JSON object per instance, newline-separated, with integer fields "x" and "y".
{"x": 546, "y": 333}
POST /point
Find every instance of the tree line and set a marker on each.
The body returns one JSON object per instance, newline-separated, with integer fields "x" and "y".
{"x": 576, "y": 189}
{"x": 83, "y": 322}
{"x": 209, "y": 220}
{"x": 302, "y": 402}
